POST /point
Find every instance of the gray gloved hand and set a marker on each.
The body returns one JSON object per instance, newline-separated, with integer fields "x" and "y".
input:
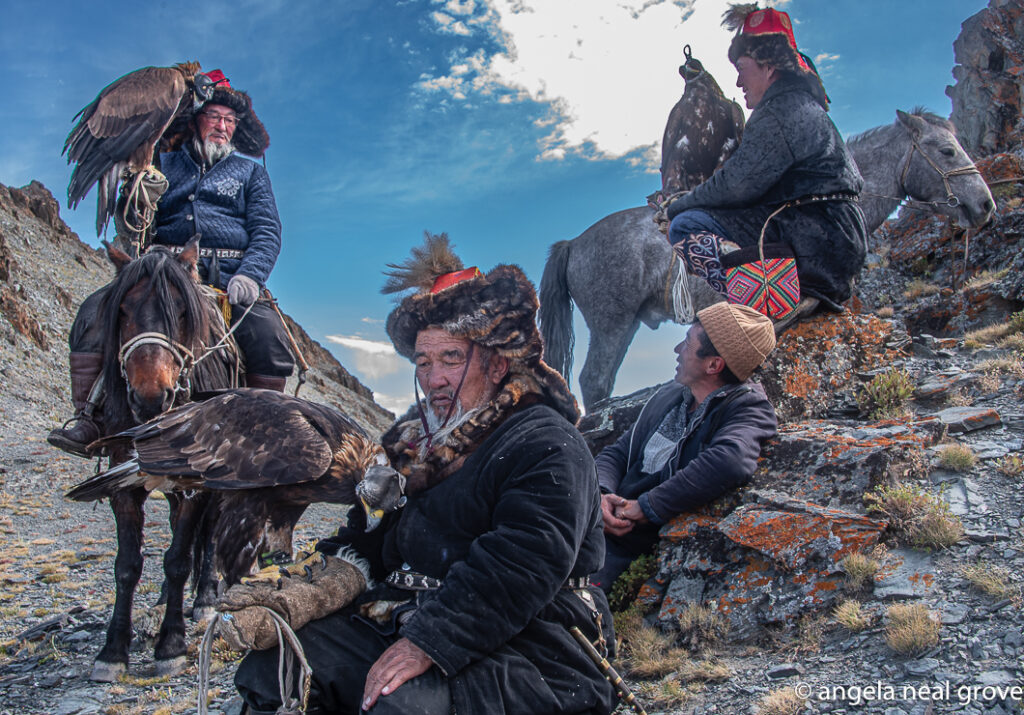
{"x": 242, "y": 290}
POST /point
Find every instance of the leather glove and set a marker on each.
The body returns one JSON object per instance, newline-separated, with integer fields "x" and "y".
{"x": 303, "y": 592}
{"x": 242, "y": 290}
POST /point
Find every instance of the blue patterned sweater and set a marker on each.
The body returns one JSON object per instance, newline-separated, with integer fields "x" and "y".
{"x": 231, "y": 205}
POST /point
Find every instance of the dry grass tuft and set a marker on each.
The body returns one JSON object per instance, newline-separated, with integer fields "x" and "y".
{"x": 885, "y": 313}
{"x": 666, "y": 694}
{"x": 957, "y": 457}
{"x": 960, "y": 398}
{"x": 645, "y": 651}
{"x": 1002, "y": 366}
{"x": 850, "y": 615}
{"x": 991, "y": 580}
{"x": 1012, "y": 465}
{"x": 919, "y": 288}
{"x": 988, "y": 334}
{"x": 1013, "y": 342}
{"x": 912, "y": 628}
{"x": 860, "y": 568}
{"x": 701, "y": 626}
{"x": 916, "y": 516}
{"x": 985, "y": 278}
{"x": 781, "y": 702}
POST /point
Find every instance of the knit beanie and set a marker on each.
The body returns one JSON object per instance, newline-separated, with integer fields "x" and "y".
{"x": 741, "y": 335}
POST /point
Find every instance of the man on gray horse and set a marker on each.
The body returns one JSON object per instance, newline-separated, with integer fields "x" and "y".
{"x": 214, "y": 193}
{"x": 791, "y": 181}
{"x": 694, "y": 440}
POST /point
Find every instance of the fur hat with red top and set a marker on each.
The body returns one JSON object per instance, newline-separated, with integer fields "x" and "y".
{"x": 497, "y": 311}
{"x": 250, "y": 137}
{"x": 766, "y": 36}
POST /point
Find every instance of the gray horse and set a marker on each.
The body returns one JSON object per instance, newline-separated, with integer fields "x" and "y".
{"x": 618, "y": 270}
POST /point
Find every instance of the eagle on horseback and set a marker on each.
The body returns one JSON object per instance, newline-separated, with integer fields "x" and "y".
{"x": 266, "y": 455}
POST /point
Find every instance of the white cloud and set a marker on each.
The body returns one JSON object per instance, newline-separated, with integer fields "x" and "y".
{"x": 825, "y": 57}
{"x": 373, "y": 359}
{"x": 398, "y": 404}
{"x": 606, "y": 68}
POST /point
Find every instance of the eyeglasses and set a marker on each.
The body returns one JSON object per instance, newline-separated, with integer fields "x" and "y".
{"x": 214, "y": 118}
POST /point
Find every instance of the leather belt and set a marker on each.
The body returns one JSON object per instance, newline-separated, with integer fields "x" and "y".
{"x": 208, "y": 252}
{"x": 409, "y": 580}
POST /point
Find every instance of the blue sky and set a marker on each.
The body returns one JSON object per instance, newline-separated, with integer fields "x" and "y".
{"x": 508, "y": 124}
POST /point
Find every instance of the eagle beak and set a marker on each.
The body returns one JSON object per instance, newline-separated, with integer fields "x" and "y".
{"x": 373, "y": 516}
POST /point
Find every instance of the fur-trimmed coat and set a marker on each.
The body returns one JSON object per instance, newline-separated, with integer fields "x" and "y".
{"x": 504, "y": 532}
{"x": 791, "y": 150}
{"x": 231, "y": 204}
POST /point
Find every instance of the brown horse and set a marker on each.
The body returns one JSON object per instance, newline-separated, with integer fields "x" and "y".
{"x": 159, "y": 328}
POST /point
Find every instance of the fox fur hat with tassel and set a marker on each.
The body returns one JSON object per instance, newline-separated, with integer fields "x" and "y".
{"x": 496, "y": 311}
{"x": 766, "y": 36}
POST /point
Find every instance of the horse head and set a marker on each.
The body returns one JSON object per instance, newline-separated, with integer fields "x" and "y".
{"x": 938, "y": 171}
{"x": 155, "y": 322}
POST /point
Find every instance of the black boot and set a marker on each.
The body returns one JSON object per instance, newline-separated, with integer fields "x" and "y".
{"x": 267, "y": 382}
{"x": 85, "y": 369}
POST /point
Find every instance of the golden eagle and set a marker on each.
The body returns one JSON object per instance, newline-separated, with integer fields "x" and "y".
{"x": 266, "y": 454}
{"x": 121, "y": 128}
{"x": 702, "y": 131}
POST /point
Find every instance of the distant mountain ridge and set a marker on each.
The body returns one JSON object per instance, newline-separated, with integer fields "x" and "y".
{"x": 46, "y": 271}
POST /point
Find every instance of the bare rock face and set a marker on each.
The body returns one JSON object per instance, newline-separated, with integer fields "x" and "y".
{"x": 989, "y": 92}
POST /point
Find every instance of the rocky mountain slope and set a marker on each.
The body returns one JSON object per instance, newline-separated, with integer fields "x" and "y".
{"x": 874, "y": 564}
{"x": 56, "y": 557}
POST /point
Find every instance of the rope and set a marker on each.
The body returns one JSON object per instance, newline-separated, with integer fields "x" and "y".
{"x": 290, "y": 704}
{"x": 677, "y": 286}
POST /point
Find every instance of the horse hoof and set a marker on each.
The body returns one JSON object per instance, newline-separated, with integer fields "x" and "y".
{"x": 171, "y": 666}
{"x": 108, "y": 672}
{"x": 204, "y": 614}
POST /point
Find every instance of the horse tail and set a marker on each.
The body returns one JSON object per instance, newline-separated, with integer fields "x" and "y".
{"x": 555, "y": 315}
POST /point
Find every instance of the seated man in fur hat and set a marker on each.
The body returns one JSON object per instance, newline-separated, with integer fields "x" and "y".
{"x": 695, "y": 439}
{"x": 214, "y": 193}
{"x": 791, "y": 181}
{"x": 483, "y": 572}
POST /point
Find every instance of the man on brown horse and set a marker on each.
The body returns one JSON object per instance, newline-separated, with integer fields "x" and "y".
{"x": 214, "y": 193}
{"x": 790, "y": 182}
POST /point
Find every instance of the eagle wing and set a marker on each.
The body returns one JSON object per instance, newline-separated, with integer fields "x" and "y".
{"x": 242, "y": 439}
{"x": 119, "y": 129}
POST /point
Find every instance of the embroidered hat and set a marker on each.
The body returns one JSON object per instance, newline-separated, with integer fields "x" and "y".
{"x": 496, "y": 310}
{"x": 740, "y": 334}
{"x": 766, "y": 36}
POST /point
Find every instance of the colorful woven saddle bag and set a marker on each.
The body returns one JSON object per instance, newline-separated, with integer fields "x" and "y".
{"x": 763, "y": 278}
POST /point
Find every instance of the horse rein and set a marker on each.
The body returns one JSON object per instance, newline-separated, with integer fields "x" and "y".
{"x": 185, "y": 358}
{"x": 952, "y": 200}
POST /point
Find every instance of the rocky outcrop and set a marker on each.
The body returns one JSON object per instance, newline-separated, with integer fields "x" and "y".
{"x": 989, "y": 92}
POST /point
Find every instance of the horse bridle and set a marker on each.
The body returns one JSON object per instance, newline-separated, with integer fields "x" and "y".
{"x": 952, "y": 200}
{"x": 185, "y": 358}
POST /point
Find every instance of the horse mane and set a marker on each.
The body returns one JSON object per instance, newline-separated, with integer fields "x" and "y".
{"x": 163, "y": 271}
{"x": 918, "y": 111}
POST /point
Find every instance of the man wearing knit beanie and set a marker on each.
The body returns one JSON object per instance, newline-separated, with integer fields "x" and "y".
{"x": 697, "y": 438}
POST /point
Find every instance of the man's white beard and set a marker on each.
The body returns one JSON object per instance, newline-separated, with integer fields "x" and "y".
{"x": 211, "y": 152}
{"x": 439, "y": 434}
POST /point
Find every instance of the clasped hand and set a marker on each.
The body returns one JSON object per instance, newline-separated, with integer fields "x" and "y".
{"x": 620, "y": 514}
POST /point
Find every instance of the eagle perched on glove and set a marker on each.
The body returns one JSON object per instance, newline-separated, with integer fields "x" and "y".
{"x": 143, "y": 113}
{"x": 703, "y": 130}
{"x": 266, "y": 454}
